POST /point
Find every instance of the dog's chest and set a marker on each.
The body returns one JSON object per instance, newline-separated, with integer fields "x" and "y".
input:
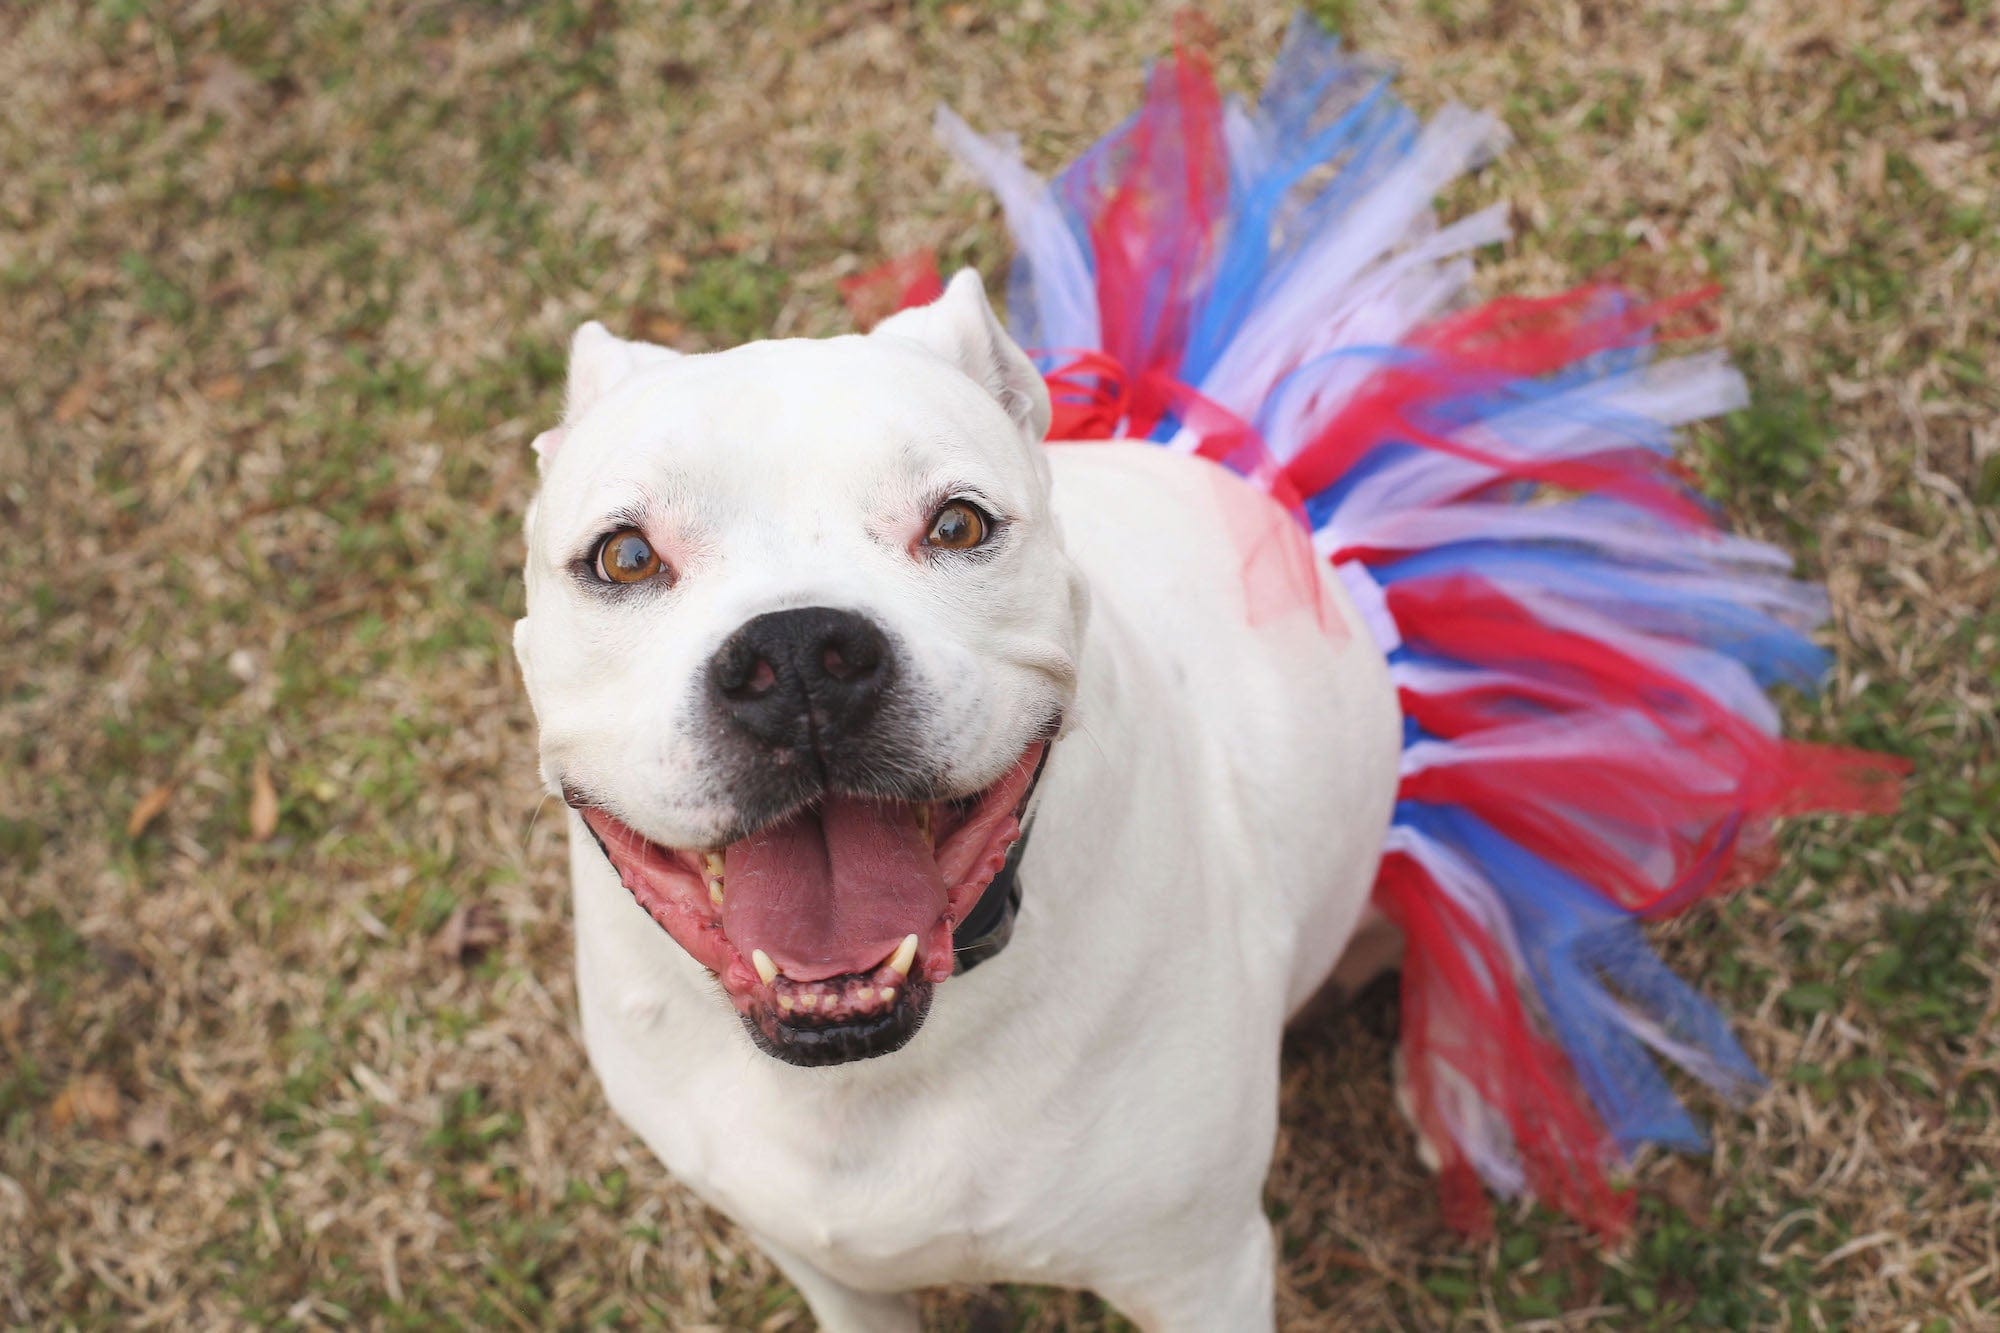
{"x": 877, "y": 1194}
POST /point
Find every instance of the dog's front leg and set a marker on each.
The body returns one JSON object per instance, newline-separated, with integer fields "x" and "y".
{"x": 1209, "y": 1283}
{"x": 840, "y": 1308}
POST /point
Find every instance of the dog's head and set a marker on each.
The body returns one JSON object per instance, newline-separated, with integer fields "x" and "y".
{"x": 800, "y": 627}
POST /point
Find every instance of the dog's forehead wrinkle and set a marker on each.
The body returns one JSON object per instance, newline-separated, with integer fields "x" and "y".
{"x": 950, "y": 462}
{"x": 605, "y": 487}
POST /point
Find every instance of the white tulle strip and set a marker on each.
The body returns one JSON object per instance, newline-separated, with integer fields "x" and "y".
{"x": 1065, "y": 294}
{"x": 1719, "y": 676}
{"x": 1575, "y": 739}
{"x": 1366, "y": 594}
{"x": 1478, "y": 1129}
{"x": 1589, "y": 419}
{"x": 1696, "y": 1060}
{"x": 1461, "y": 880}
{"x": 1377, "y": 311}
{"x": 1440, "y": 680}
{"x": 1284, "y": 326}
{"x": 1252, "y": 149}
{"x": 1612, "y": 530}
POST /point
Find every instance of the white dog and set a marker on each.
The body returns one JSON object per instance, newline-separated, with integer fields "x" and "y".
{"x": 957, "y": 819}
{"x": 815, "y": 629}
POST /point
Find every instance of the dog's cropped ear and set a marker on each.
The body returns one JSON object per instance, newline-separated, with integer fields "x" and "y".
{"x": 598, "y": 360}
{"x": 959, "y": 326}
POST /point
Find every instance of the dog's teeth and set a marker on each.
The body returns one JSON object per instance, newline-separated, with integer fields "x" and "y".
{"x": 888, "y": 994}
{"x": 924, "y": 820}
{"x": 808, "y": 1001}
{"x": 785, "y": 1003}
{"x": 715, "y": 894}
{"x": 766, "y": 969}
{"x": 906, "y": 954}
{"x": 712, "y": 863}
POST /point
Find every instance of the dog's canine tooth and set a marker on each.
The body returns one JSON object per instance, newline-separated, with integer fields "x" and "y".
{"x": 906, "y": 954}
{"x": 712, "y": 863}
{"x": 715, "y": 894}
{"x": 766, "y": 969}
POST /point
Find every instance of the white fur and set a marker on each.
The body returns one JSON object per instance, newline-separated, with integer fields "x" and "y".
{"x": 1095, "y": 1106}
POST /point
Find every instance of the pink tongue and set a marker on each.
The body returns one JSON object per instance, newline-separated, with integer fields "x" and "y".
{"x": 832, "y": 890}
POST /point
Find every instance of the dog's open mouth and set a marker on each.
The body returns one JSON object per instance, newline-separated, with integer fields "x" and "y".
{"x": 829, "y": 928}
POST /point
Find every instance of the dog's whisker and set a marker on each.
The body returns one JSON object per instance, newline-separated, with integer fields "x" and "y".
{"x": 535, "y": 816}
{"x": 1082, "y": 728}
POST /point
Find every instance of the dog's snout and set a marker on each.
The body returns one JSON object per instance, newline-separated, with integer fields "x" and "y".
{"x": 801, "y": 679}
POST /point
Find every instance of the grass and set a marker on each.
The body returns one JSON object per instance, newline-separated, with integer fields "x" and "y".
{"x": 287, "y": 292}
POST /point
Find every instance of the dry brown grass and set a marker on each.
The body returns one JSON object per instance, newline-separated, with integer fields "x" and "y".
{"x": 282, "y": 296}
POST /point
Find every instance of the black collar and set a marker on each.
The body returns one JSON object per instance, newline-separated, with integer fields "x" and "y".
{"x": 990, "y": 924}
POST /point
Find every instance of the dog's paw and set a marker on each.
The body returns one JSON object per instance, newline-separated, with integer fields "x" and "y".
{"x": 1406, "y": 1104}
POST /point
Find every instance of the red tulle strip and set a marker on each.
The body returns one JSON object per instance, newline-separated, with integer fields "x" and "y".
{"x": 1485, "y": 350}
{"x": 1091, "y": 397}
{"x": 898, "y": 284}
{"x": 1153, "y": 236}
{"x": 1692, "y": 774}
{"x": 1462, "y": 1009}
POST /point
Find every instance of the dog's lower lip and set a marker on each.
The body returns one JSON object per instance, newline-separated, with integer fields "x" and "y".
{"x": 796, "y": 1041}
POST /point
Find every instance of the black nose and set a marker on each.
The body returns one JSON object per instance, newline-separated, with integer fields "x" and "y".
{"x": 806, "y": 679}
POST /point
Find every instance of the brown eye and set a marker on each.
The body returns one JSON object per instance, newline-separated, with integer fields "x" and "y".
{"x": 626, "y": 557}
{"x": 958, "y": 527}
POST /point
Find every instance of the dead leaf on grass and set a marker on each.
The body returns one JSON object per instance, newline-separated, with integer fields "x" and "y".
{"x": 226, "y": 88}
{"x": 76, "y": 399}
{"x": 89, "y": 1100}
{"x": 964, "y": 17}
{"x": 263, "y": 802}
{"x": 853, "y": 14}
{"x": 149, "y": 808}
{"x": 150, "y": 1127}
{"x": 223, "y": 389}
{"x": 655, "y": 327}
{"x": 114, "y": 92}
{"x": 1686, "y": 1188}
{"x": 472, "y": 929}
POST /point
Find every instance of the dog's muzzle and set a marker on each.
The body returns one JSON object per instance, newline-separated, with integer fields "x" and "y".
{"x": 830, "y": 927}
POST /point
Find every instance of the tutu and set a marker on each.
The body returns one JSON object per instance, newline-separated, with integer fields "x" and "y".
{"x": 1581, "y": 655}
